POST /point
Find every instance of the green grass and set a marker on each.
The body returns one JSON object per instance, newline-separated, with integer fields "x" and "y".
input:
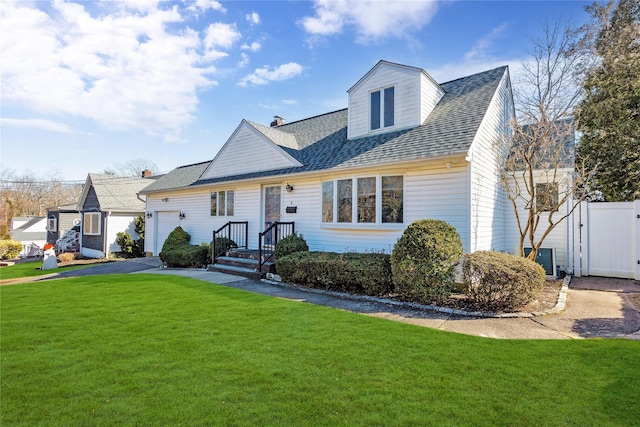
{"x": 167, "y": 350}
{"x": 31, "y": 269}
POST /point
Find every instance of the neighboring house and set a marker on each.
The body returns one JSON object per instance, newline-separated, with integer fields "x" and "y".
{"x": 31, "y": 232}
{"x": 406, "y": 148}
{"x": 64, "y": 222}
{"x": 108, "y": 205}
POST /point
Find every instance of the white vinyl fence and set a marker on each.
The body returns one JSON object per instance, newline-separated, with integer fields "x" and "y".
{"x": 606, "y": 240}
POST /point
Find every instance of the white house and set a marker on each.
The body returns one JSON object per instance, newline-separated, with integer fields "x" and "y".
{"x": 31, "y": 231}
{"x": 108, "y": 205}
{"x": 406, "y": 148}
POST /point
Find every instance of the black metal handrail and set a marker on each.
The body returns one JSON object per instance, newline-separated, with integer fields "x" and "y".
{"x": 269, "y": 238}
{"x": 237, "y": 235}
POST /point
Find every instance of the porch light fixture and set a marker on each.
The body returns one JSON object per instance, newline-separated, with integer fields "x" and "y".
{"x": 149, "y": 214}
{"x": 181, "y": 215}
{"x": 166, "y": 199}
{"x": 289, "y": 188}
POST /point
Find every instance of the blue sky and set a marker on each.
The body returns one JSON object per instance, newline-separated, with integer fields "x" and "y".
{"x": 89, "y": 85}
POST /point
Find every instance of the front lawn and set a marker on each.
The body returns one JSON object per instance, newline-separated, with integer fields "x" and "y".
{"x": 32, "y": 268}
{"x": 167, "y": 350}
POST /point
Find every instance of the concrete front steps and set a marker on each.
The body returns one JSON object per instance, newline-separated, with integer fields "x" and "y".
{"x": 242, "y": 262}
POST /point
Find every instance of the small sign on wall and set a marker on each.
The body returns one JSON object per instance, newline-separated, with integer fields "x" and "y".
{"x": 292, "y": 209}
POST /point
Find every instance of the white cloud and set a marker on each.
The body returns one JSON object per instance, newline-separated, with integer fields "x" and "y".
{"x": 480, "y": 48}
{"x": 253, "y": 18}
{"x": 119, "y": 69}
{"x": 371, "y": 19}
{"x": 204, "y": 5}
{"x": 264, "y": 75}
{"x": 41, "y": 124}
{"x": 290, "y": 101}
{"x": 253, "y": 47}
{"x": 244, "y": 60}
{"x": 221, "y": 35}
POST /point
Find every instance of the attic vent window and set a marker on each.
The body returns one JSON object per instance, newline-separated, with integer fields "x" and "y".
{"x": 382, "y": 107}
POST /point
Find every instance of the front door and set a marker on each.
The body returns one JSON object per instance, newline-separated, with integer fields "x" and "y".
{"x": 272, "y": 204}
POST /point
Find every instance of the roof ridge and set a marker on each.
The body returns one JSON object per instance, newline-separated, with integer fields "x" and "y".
{"x": 474, "y": 74}
{"x": 312, "y": 117}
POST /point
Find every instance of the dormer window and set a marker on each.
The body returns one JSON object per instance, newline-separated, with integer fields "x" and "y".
{"x": 382, "y": 107}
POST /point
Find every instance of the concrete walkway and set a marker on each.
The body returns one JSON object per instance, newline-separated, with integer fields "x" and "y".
{"x": 595, "y": 307}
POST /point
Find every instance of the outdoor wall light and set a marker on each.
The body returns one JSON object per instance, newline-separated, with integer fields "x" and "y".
{"x": 181, "y": 215}
{"x": 289, "y": 188}
{"x": 149, "y": 215}
{"x": 166, "y": 199}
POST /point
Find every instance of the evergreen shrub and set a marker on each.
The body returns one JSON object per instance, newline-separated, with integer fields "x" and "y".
{"x": 358, "y": 273}
{"x": 10, "y": 249}
{"x": 291, "y": 244}
{"x": 501, "y": 282}
{"x": 423, "y": 261}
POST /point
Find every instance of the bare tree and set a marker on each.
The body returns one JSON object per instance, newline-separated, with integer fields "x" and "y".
{"x": 539, "y": 174}
{"x": 133, "y": 168}
{"x": 30, "y": 195}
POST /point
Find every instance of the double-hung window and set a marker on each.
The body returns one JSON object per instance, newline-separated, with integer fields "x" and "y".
{"x": 222, "y": 203}
{"x": 382, "y": 108}
{"x": 363, "y": 200}
{"x": 91, "y": 225}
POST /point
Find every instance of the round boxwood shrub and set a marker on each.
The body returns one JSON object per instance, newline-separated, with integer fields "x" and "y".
{"x": 291, "y": 244}
{"x": 10, "y": 249}
{"x": 423, "y": 261}
{"x": 501, "y": 282}
{"x": 178, "y": 237}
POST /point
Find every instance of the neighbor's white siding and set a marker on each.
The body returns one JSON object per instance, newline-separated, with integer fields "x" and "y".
{"x": 415, "y": 97}
{"x": 558, "y": 238}
{"x": 248, "y": 151}
{"x": 117, "y": 223}
{"x": 486, "y": 191}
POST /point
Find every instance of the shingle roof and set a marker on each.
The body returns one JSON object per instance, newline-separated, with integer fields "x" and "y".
{"x": 321, "y": 143}
{"x": 118, "y": 193}
{"x": 180, "y": 177}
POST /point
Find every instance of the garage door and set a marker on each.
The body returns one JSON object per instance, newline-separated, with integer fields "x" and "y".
{"x": 167, "y": 222}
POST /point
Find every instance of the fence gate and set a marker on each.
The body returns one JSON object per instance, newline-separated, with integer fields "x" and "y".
{"x": 610, "y": 239}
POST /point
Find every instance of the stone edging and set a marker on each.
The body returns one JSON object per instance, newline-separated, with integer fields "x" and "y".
{"x": 562, "y": 300}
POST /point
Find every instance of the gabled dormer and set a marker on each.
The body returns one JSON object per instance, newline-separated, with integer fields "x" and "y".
{"x": 391, "y": 97}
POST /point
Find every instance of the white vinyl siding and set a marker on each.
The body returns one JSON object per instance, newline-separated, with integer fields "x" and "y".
{"x": 415, "y": 96}
{"x": 117, "y": 223}
{"x": 248, "y": 151}
{"x": 486, "y": 192}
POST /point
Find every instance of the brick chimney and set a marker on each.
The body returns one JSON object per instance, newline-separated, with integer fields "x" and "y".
{"x": 279, "y": 121}
{"x": 146, "y": 173}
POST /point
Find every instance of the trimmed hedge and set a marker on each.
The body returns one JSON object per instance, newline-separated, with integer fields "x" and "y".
{"x": 361, "y": 273}
{"x": 10, "y": 249}
{"x": 423, "y": 261}
{"x": 499, "y": 281}
{"x": 186, "y": 256}
{"x": 291, "y": 244}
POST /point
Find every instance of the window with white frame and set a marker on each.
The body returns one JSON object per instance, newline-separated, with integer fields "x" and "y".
{"x": 222, "y": 203}
{"x": 52, "y": 224}
{"x": 363, "y": 200}
{"x": 382, "y": 108}
{"x": 91, "y": 224}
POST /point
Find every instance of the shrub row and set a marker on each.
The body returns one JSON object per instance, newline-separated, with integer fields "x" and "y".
{"x": 10, "y": 249}
{"x": 498, "y": 281}
{"x": 368, "y": 273}
{"x": 420, "y": 269}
